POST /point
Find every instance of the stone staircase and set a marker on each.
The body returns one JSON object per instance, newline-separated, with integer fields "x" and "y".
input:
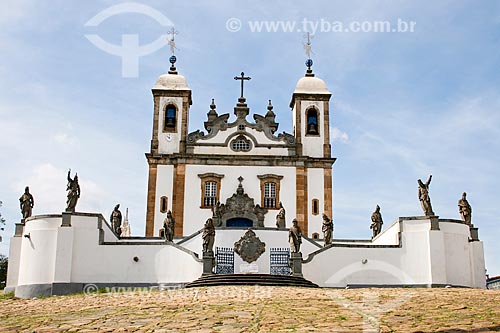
{"x": 250, "y": 279}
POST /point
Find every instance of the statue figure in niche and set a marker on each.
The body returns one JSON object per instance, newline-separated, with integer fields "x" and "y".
{"x": 295, "y": 237}
{"x": 423, "y": 196}
{"x": 208, "y": 236}
{"x": 327, "y": 229}
{"x": 280, "y": 218}
{"x": 73, "y": 189}
{"x": 465, "y": 210}
{"x": 377, "y": 222}
{"x": 169, "y": 227}
{"x": 116, "y": 220}
{"x": 26, "y": 202}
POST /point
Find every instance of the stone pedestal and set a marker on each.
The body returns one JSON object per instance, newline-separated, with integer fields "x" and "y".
{"x": 474, "y": 235}
{"x": 296, "y": 263}
{"x": 208, "y": 263}
{"x": 19, "y": 229}
{"x": 434, "y": 222}
{"x": 66, "y": 219}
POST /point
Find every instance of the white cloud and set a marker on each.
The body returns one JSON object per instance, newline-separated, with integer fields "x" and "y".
{"x": 338, "y": 135}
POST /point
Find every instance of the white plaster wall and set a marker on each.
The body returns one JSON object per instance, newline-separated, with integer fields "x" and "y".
{"x": 275, "y": 151}
{"x": 165, "y": 146}
{"x": 195, "y": 217}
{"x": 164, "y": 187}
{"x": 315, "y": 190}
{"x": 389, "y": 235}
{"x": 313, "y": 145}
{"x": 478, "y": 269}
{"x": 14, "y": 262}
{"x": 38, "y": 252}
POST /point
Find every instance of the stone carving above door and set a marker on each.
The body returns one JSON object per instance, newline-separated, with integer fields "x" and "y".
{"x": 249, "y": 247}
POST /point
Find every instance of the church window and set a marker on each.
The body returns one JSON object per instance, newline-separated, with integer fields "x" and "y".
{"x": 170, "y": 117}
{"x": 312, "y": 122}
{"x": 241, "y": 143}
{"x": 210, "y": 194}
{"x": 210, "y": 189}
{"x": 163, "y": 204}
{"x": 270, "y": 195}
{"x": 315, "y": 207}
{"x": 270, "y": 190}
{"x": 315, "y": 235}
{"x": 241, "y": 127}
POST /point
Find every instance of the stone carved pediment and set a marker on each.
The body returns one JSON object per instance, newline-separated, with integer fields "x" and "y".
{"x": 240, "y": 205}
{"x": 249, "y": 247}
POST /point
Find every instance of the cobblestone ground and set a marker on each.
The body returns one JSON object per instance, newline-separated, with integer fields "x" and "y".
{"x": 258, "y": 309}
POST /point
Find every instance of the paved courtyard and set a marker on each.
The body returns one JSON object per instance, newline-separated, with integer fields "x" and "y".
{"x": 258, "y": 309}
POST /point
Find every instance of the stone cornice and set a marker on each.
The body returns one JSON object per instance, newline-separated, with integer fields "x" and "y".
{"x": 255, "y": 160}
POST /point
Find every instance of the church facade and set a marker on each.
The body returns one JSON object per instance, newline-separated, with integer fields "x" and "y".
{"x": 190, "y": 173}
{"x": 242, "y": 175}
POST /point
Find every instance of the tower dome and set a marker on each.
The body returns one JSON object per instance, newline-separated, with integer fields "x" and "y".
{"x": 311, "y": 85}
{"x": 171, "y": 82}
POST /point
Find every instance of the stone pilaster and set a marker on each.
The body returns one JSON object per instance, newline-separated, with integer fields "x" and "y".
{"x": 151, "y": 204}
{"x": 178, "y": 198}
{"x": 302, "y": 198}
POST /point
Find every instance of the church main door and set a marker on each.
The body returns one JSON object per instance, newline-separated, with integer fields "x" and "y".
{"x": 239, "y": 222}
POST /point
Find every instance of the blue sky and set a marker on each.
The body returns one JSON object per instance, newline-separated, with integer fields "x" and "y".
{"x": 404, "y": 105}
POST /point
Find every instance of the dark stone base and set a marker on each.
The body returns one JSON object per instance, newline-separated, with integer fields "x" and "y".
{"x": 57, "y": 289}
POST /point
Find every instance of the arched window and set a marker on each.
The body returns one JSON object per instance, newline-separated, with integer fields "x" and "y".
{"x": 315, "y": 235}
{"x": 163, "y": 204}
{"x": 241, "y": 143}
{"x": 170, "y": 117}
{"x": 312, "y": 122}
{"x": 315, "y": 207}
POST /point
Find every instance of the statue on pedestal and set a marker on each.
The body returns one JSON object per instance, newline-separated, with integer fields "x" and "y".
{"x": 465, "y": 210}
{"x": 295, "y": 237}
{"x": 116, "y": 220}
{"x": 208, "y": 237}
{"x": 169, "y": 227}
{"x": 423, "y": 196}
{"x": 218, "y": 211}
{"x": 73, "y": 189}
{"x": 327, "y": 229}
{"x": 377, "y": 222}
{"x": 26, "y": 202}
{"x": 280, "y": 218}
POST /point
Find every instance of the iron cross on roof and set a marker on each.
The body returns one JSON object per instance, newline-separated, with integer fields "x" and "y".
{"x": 242, "y": 78}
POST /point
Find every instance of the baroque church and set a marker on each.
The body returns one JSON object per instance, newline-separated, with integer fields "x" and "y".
{"x": 239, "y": 203}
{"x": 243, "y": 169}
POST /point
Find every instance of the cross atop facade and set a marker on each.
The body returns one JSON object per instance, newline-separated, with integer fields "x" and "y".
{"x": 171, "y": 42}
{"x": 242, "y": 78}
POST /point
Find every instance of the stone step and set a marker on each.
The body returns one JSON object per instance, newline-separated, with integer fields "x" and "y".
{"x": 251, "y": 279}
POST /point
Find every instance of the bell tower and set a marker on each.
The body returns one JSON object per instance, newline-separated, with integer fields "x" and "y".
{"x": 172, "y": 99}
{"x": 311, "y": 113}
{"x": 310, "y": 106}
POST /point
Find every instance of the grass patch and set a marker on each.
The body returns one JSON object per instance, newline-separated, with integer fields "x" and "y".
{"x": 6, "y": 295}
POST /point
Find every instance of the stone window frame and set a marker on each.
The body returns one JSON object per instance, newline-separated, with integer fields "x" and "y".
{"x": 315, "y": 211}
{"x": 270, "y": 178}
{"x": 163, "y": 204}
{"x": 238, "y": 138}
{"x": 164, "y": 118}
{"x": 309, "y": 109}
{"x": 207, "y": 178}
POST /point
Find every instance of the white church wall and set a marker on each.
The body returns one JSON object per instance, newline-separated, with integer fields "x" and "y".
{"x": 478, "y": 269}
{"x": 38, "y": 252}
{"x": 388, "y": 236}
{"x": 164, "y": 188}
{"x": 315, "y": 190}
{"x": 14, "y": 263}
{"x": 168, "y": 143}
{"x": 195, "y": 216}
{"x": 265, "y": 151}
{"x": 312, "y": 145}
